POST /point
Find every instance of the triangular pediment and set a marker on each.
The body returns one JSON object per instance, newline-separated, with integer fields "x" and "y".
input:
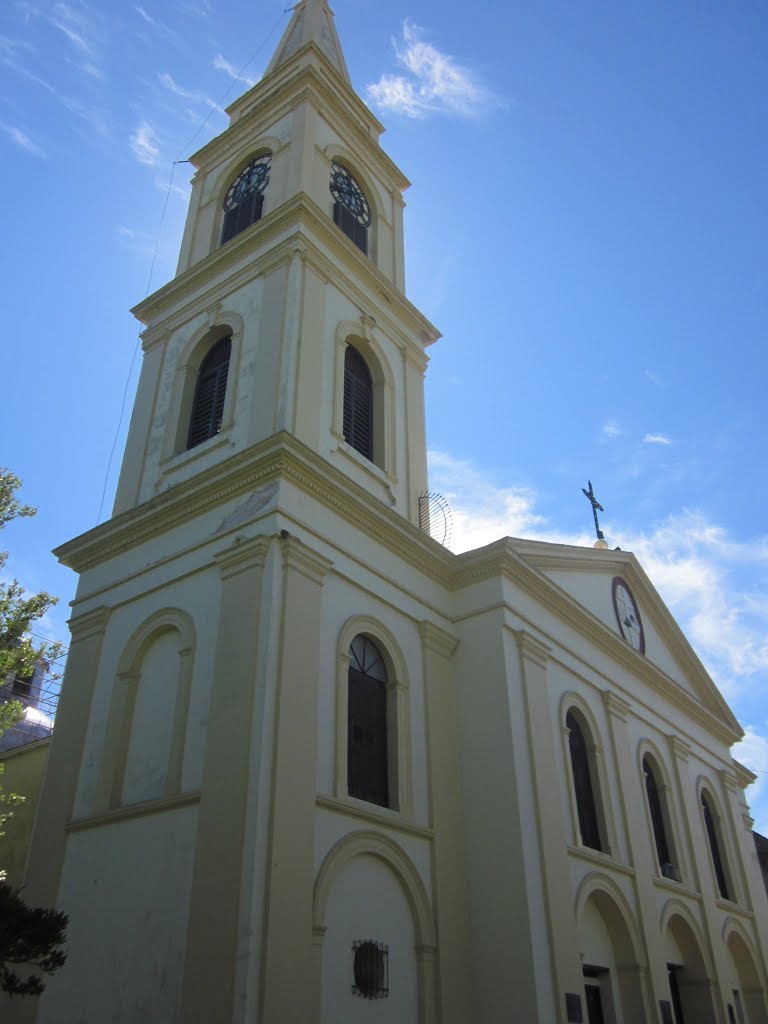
{"x": 614, "y": 589}
{"x": 312, "y": 22}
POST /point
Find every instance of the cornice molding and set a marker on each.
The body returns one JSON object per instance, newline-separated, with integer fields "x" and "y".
{"x": 241, "y": 555}
{"x": 680, "y": 748}
{"x": 88, "y": 624}
{"x": 217, "y": 275}
{"x": 616, "y": 706}
{"x": 744, "y": 777}
{"x": 303, "y": 559}
{"x": 280, "y": 457}
{"x": 435, "y": 639}
{"x": 532, "y": 648}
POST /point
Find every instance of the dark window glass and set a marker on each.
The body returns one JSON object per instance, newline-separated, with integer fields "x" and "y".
{"x": 657, "y": 818}
{"x": 370, "y": 969}
{"x": 367, "y": 763}
{"x": 674, "y": 989}
{"x": 714, "y": 846}
{"x": 582, "y": 784}
{"x": 358, "y": 403}
{"x": 242, "y": 216}
{"x": 210, "y": 392}
{"x": 351, "y": 226}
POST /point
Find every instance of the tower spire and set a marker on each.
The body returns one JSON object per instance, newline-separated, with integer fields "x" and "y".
{"x": 312, "y": 22}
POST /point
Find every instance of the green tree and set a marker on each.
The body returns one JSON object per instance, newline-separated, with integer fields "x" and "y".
{"x": 30, "y": 937}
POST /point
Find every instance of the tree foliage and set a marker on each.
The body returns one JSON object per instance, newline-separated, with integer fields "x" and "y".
{"x": 18, "y": 610}
{"x": 30, "y": 937}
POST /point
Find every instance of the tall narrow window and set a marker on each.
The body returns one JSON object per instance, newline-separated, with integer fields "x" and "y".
{"x": 245, "y": 198}
{"x": 657, "y": 806}
{"x": 711, "y": 825}
{"x": 367, "y": 758}
{"x": 583, "y": 784}
{"x": 358, "y": 403}
{"x": 351, "y": 209}
{"x": 210, "y": 392}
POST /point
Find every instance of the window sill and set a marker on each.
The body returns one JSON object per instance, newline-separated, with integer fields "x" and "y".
{"x": 384, "y": 816}
{"x": 180, "y": 459}
{"x": 379, "y": 474}
{"x": 598, "y": 857}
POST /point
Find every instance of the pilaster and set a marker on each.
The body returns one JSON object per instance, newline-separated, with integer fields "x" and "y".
{"x": 552, "y": 841}
{"x": 448, "y": 865}
{"x": 214, "y": 917}
{"x": 46, "y": 855}
{"x": 289, "y": 957}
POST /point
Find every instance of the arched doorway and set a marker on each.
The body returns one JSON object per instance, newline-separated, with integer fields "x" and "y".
{"x": 613, "y": 988}
{"x": 746, "y": 994}
{"x": 689, "y": 982}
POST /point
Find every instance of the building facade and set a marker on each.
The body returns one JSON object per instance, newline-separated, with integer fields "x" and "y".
{"x": 308, "y": 764}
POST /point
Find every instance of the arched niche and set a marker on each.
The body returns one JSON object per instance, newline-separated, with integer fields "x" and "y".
{"x": 368, "y": 889}
{"x": 748, "y": 990}
{"x": 147, "y": 720}
{"x": 690, "y": 973}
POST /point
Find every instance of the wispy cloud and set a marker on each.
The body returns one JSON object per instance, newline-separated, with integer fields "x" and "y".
{"x": 610, "y": 429}
{"x": 201, "y": 9}
{"x": 143, "y": 142}
{"x": 155, "y": 23}
{"x": 654, "y": 378}
{"x": 190, "y": 95}
{"x": 752, "y": 751}
{"x": 22, "y": 139}
{"x": 222, "y": 64}
{"x": 434, "y": 82}
{"x": 656, "y": 439}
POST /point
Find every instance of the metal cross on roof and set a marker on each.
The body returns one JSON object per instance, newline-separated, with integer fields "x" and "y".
{"x": 590, "y": 496}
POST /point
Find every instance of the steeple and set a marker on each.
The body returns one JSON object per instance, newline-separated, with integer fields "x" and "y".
{"x": 312, "y": 22}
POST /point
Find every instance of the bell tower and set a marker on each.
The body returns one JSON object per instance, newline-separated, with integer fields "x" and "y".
{"x": 287, "y": 312}
{"x": 238, "y": 713}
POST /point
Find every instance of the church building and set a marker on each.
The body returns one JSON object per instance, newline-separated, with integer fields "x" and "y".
{"x": 311, "y": 767}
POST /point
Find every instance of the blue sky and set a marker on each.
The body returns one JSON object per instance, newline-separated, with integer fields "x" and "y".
{"x": 587, "y": 226}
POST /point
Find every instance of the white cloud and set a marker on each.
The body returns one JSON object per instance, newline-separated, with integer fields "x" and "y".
{"x": 143, "y": 144}
{"x": 654, "y": 378}
{"x": 22, "y": 139}
{"x": 610, "y": 429}
{"x": 752, "y": 751}
{"x": 222, "y": 64}
{"x": 434, "y": 82}
{"x": 159, "y": 26}
{"x": 186, "y": 94}
{"x": 656, "y": 439}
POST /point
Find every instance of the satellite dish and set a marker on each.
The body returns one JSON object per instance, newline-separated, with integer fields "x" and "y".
{"x": 435, "y": 517}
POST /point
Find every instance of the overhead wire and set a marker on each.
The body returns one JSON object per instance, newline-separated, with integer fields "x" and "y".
{"x": 178, "y": 160}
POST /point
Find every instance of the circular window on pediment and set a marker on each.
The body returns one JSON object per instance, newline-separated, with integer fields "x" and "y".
{"x": 628, "y": 614}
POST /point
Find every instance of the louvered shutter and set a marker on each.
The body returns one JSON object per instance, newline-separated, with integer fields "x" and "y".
{"x": 210, "y": 393}
{"x": 351, "y": 226}
{"x": 367, "y": 739}
{"x": 242, "y": 216}
{"x": 358, "y": 403}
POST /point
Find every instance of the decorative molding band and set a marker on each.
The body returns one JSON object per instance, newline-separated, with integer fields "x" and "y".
{"x": 134, "y": 811}
{"x": 742, "y": 775}
{"x": 615, "y": 705}
{"x": 88, "y": 624}
{"x": 531, "y": 648}
{"x": 603, "y": 860}
{"x": 243, "y": 554}
{"x": 680, "y": 748}
{"x": 299, "y": 556}
{"x": 433, "y": 638}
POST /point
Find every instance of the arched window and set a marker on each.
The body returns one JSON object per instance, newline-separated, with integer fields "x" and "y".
{"x": 351, "y": 209}
{"x": 210, "y": 392}
{"x": 367, "y": 757}
{"x": 584, "y": 785}
{"x": 712, "y": 826}
{"x": 244, "y": 200}
{"x": 657, "y": 805}
{"x": 358, "y": 403}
